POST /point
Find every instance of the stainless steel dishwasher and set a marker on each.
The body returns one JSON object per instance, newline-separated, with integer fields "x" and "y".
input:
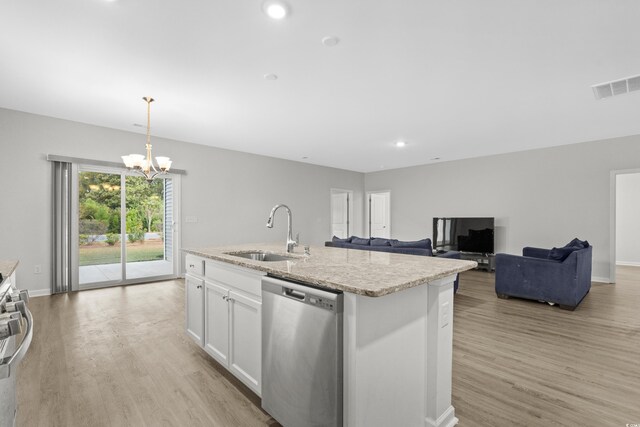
{"x": 301, "y": 354}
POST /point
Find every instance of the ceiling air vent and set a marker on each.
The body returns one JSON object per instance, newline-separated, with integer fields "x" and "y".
{"x": 617, "y": 87}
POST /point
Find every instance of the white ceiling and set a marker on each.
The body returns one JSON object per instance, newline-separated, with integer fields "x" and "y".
{"x": 455, "y": 79}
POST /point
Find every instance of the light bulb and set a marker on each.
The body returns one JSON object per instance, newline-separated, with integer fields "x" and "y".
{"x": 275, "y": 9}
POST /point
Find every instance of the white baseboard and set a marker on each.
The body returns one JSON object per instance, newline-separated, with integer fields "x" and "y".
{"x": 628, "y": 263}
{"x": 40, "y": 293}
{"x": 600, "y": 279}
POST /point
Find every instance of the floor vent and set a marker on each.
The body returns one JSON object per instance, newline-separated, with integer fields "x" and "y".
{"x": 617, "y": 87}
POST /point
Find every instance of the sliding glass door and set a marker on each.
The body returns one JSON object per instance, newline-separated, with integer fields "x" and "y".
{"x": 125, "y": 228}
{"x": 99, "y": 224}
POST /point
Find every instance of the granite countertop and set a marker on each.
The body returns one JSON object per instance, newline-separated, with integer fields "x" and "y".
{"x": 7, "y": 268}
{"x": 350, "y": 270}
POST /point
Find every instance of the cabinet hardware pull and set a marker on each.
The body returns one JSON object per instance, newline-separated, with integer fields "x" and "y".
{"x": 199, "y": 286}
{"x": 224, "y": 297}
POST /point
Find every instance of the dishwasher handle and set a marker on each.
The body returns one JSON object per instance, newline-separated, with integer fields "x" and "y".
{"x": 294, "y": 294}
{"x": 297, "y": 291}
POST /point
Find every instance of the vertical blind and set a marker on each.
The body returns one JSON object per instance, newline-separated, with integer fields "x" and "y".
{"x": 168, "y": 219}
{"x": 61, "y": 217}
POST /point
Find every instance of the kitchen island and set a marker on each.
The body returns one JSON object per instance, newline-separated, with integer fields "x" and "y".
{"x": 397, "y": 323}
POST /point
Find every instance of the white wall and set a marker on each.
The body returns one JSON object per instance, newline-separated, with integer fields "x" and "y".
{"x": 231, "y": 193}
{"x": 540, "y": 198}
{"x": 628, "y": 219}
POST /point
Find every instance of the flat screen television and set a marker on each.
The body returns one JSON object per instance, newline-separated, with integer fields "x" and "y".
{"x": 463, "y": 234}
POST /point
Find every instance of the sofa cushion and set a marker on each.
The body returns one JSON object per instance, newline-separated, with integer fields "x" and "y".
{"x": 408, "y": 251}
{"x": 359, "y": 241}
{"x": 577, "y": 242}
{"x": 560, "y": 254}
{"x": 377, "y": 241}
{"x": 339, "y": 240}
{"x": 422, "y": 244}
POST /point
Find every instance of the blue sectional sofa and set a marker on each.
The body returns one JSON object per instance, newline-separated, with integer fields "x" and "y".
{"x": 559, "y": 276}
{"x": 417, "y": 247}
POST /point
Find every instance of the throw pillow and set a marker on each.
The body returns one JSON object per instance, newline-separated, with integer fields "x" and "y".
{"x": 421, "y": 244}
{"x": 359, "y": 241}
{"x": 339, "y": 240}
{"x": 560, "y": 254}
{"x": 377, "y": 241}
{"x": 577, "y": 242}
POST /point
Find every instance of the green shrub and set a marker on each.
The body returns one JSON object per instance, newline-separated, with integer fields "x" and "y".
{"x": 114, "y": 222}
{"x": 84, "y": 239}
{"x": 134, "y": 221}
{"x": 93, "y": 226}
{"x": 136, "y": 236}
{"x": 112, "y": 239}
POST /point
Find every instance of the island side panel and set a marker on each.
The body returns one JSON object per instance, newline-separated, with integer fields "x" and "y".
{"x": 439, "y": 411}
{"x": 394, "y": 371}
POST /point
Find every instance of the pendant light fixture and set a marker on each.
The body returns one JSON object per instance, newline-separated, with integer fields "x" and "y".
{"x": 142, "y": 165}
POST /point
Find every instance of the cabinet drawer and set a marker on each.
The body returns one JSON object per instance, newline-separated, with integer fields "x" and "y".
{"x": 194, "y": 265}
{"x": 243, "y": 279}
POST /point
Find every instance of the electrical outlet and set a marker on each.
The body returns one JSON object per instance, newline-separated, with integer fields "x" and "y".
{"x": 37, "y": 269}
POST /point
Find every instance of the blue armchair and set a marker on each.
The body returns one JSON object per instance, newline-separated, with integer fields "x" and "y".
{"x": 534, "y": 276}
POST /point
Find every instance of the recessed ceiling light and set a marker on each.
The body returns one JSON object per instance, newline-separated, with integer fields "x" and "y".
{"x": 271, "y": 76}
{"x": 330, "y": 41}
{"x": 400, "y": 144}
{"x": 435, "y": 158}
{"x": 138, "y": 125}
{"x": 275, "y": 9}
{"x": 304, "y": 158}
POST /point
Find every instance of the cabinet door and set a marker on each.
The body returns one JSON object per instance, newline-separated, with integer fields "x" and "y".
{"x": 245, "y": 339}
{"x": 216, "y": 326}
{"x": 194, "y": 309}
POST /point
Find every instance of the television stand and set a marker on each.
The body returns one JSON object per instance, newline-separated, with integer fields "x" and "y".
{"x": 485, "y": 261}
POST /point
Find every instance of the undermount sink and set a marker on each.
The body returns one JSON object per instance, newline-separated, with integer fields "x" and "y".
{"x": 261, "y": 256}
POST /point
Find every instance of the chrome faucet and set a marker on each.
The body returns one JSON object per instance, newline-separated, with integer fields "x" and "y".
{"x": 290, "y": 242}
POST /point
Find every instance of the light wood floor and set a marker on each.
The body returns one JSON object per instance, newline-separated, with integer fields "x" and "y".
{"x": 119, "y": 357}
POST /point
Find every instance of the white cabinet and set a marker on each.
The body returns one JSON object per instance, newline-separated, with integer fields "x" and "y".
{"x": 245, "y": 339}
{"x": 233, "y": 332}
{"x": 224, "y": 316}
{"x": 194, "y": 298}
{"x": 233, "y": 320}
{"x": 217, "y": 322}
{"x": 194, "y": 308}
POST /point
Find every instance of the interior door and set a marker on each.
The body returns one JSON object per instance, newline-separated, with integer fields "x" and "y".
{"x": 379, "y": 215}
{"x": 340, "y": 211}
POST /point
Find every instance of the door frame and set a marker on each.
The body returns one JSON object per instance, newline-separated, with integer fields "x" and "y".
{"x": 367, "y": 210}
{"x": 612, "y": 218}
{"x": 74, "y": 232}
{"x": 350, "y": 196}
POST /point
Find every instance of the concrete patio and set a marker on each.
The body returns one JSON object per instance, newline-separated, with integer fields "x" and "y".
{"x": 135, "y": 270}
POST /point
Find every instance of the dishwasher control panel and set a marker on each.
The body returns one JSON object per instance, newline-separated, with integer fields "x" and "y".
{"x": 307, "y": 295}
{"x": 323, "y": 303}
